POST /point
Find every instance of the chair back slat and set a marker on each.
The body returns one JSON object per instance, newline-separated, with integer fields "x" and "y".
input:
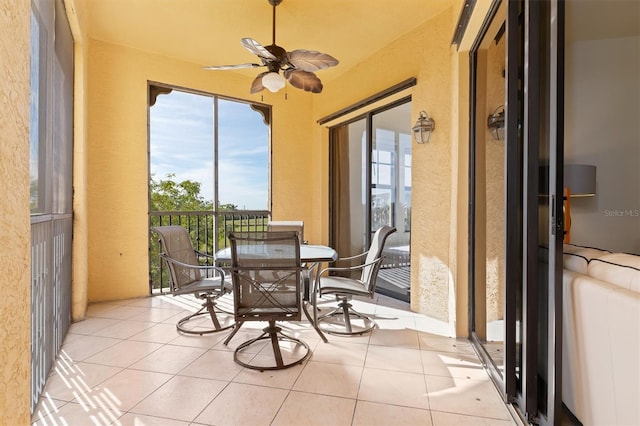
{"x": 370, "y": 273}
{"x": 176, "y": 244}
{"x": 266, "y": 275}
{"x": 287, "y": 225}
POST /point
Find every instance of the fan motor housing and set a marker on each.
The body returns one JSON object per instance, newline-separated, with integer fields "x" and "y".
{"x": 279, "y": 53}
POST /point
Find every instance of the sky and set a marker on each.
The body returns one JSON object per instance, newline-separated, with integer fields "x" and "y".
{"x": 182, "y": 143}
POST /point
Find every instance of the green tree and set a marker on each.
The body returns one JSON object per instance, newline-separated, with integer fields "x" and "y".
{"x": 178, "y": 198}
{"x": 227, "y": 206}
{"x": 169, "y": 195}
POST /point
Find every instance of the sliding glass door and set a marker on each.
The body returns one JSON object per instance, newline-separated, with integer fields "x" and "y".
{"x": 521, "y": 343}
{"x": 488, "y": 188}
{"x": 371, "y": 187}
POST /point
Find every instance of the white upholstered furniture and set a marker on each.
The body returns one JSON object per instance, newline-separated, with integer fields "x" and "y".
{"x": 601, "y": 336}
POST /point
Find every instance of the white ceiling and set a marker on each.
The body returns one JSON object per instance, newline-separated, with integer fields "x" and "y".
{"x": 208, "y": 32}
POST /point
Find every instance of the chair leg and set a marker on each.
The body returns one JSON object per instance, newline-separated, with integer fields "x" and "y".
{"x": 347, "y": 317}
{"x": 345, "y": 311}
{"x": 236, "y": 328}
{"x": 275, "y": 335}
{"x": 208, "y": 308}
{"x": 314, "y": 320}
{"x": 211, "y": 309}
{"x": 275, "y": 343}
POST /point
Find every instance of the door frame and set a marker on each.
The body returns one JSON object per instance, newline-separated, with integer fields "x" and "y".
{"x": 534, "y": 108}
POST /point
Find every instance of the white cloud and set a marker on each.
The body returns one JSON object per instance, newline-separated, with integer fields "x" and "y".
{"x": 181, "y": 143}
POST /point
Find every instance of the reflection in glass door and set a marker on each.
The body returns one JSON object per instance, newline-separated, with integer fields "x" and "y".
{"x": 371, "y": 187}
{"x": 488, "y": 183}
{"x": 516, "y": 248}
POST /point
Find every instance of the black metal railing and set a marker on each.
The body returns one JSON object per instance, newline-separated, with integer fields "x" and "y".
{"x": 208, "y": 232}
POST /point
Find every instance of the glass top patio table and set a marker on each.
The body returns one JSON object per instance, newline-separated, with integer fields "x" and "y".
{"x": 308, "y": 254}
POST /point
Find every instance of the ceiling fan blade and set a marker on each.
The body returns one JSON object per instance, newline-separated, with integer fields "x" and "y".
{"x": 256, "y": 48}
{"x": 256, "y": 85}
{"x": 232, "y": 67}
{"x": 304, "y": 80}
{"x": 310, "y": 60}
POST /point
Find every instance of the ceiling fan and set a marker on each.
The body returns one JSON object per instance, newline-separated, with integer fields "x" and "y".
{"x": 297, "y": 66}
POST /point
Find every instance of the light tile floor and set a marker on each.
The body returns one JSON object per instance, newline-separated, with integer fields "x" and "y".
{"x": 126, "y": 364}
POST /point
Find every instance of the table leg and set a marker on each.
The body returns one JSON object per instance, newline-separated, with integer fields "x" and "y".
{"x": 307, "y": 278}
{"x": 313, "y": 323}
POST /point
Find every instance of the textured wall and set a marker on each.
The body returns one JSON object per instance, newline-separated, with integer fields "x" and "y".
{"x": 15, "y": 358}
{"x": 602, "y": 107}
{"x": 116, "y": 155}
{"x": 433, "y": 279}
{"x": 424, "y": 53}
{"x": 117, "y": 160}
{"x": 79, "y": 252}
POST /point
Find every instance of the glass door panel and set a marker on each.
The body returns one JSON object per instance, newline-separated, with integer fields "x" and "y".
{"x": 488, "y": 153}
{"x": 371, "y": 187}
{"x": 391, "y": 195}
{"x": 349, "y": 197}
{"x": 516, "y": 241}
{"x": 534, "y": 181}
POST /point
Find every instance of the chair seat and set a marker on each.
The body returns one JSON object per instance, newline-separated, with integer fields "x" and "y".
{"x": 332, "y": 285}
{"x": 338, "y": 321}
{"x": 203, "y": 286}
{"x": 267, "y": 276}
{"x": 187, "y": 276}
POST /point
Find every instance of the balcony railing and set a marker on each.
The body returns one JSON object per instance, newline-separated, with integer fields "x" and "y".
{"x": 208, "y": 232}
{"x": 51, "y": 236}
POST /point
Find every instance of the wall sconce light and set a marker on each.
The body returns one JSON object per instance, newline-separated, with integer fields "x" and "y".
{"x": 495, "y": 122}
{"x": 423, "y": 128}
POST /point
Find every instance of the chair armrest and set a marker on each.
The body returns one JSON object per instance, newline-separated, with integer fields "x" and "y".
{"x": 208, "y": 256}
{"x": 200, "y": 267}
{"x": 346, "y": 268}
{"x": 353, "y": 257}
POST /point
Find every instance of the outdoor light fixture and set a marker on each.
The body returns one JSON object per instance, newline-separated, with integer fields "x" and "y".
{"x": 496, "y": 123}
{"x": 423, "y": 128}
{"x": 273, "y": 81}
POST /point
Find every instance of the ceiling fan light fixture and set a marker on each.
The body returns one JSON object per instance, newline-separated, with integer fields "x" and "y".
{"x": 299, "y": 66}
{"x": 273, "y": 81}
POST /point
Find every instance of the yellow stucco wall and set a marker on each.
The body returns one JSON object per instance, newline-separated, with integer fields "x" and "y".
{"x": 79, "y": 252}
{"x": 117, "y": 159}
{"x": 117, "y": 162}
{"x": 424, "y": 53}
{"x": 15, "y": 261}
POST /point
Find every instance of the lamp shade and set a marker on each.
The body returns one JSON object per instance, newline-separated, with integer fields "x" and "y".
{"x": 273, "y": 81}
{"x": 580, "y": 179}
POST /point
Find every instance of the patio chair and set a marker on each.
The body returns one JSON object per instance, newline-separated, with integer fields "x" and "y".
{"x": 188, "y": 276}
{"x": 266, "y": 275}
{"x": 340, "y": 320}
{"x": 288, "y": 225}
